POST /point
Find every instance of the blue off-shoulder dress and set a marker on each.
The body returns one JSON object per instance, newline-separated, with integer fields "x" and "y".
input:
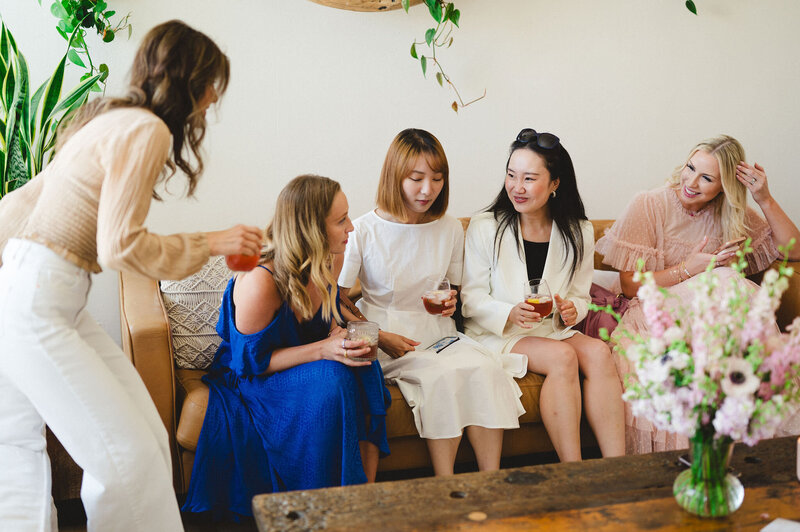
{"x": 291, "y": 430}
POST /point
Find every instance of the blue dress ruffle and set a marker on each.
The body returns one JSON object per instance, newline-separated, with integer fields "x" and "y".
{"x": 291, "y": 430}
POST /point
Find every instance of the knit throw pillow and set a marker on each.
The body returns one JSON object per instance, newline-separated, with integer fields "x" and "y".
{"x": 193, "y": 309}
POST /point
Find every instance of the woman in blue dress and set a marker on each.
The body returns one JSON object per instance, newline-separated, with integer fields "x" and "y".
{"x": 290, "y": 405}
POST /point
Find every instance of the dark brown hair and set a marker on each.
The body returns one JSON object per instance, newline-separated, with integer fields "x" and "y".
{"x": 173, "y": 68}
{"x": 400, "y": 159}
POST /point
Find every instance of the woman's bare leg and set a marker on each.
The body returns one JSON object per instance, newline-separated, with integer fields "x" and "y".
{"x": 560, "y": 400}
{"x": 488, "y": 445}
{"x": 369, "y": 459}
{"x": 602, "y": 393}
{"x": 443, "y": 455}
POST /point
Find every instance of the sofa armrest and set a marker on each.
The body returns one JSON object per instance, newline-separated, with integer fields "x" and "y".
{"x": 147, "y": 342}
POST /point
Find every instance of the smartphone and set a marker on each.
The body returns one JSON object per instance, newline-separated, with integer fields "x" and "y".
{"x": 442, "y": 343}
{"x": 730, "y": 243}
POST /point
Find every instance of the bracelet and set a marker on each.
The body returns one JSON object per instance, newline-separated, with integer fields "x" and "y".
{"x": 686, "y": 270}
{"x": 676, "y": 273}
{"x": 680, "y": 272}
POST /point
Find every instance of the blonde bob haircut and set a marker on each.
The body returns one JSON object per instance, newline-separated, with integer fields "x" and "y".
{"x": 297, "y": 244}
{"x": 731, "y": 205}
{"x": 400, "y": 160}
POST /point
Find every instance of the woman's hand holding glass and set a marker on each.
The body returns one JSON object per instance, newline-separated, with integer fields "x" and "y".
{"x": 523, "y": 314}
{"x": 338, "y": 348}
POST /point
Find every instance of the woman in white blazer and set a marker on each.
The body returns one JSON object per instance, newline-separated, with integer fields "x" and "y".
{"x": 537, "y": 228}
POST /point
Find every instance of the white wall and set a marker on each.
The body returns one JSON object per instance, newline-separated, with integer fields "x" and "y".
{"x": 628, "y": 85}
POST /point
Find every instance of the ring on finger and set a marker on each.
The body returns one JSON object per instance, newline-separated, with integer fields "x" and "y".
{"x": 752, "y": 180}
{"x": 345, "y": 354}
{"x": 343, "y": 341}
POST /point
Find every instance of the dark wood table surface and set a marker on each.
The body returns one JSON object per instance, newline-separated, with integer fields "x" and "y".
{"x": 626, "y": 493}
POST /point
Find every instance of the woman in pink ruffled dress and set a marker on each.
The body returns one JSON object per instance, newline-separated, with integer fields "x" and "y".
{"x": 678, "y": 229}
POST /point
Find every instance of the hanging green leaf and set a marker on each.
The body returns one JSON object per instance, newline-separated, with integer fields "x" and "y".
{"x": 58, "y": 11}
{"x": 455, "y": 16}
{"x": 448, "y": 11}
{"x": 406, "y": 5}
{"x": 103, "y": 68}
{"x": 429, "y": 35}
{"x": 435, "y": 9}
{"x": 691, "y": 7}
{"x": 73, "y": 56}
{"x": 440, "y": 79}
{"x": 108, "y": 35}
{"x": 414, "y": 51}
{"x": 424, "y": 62}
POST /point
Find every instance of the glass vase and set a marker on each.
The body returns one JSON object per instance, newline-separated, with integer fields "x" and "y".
{"x": 707, "y": 489}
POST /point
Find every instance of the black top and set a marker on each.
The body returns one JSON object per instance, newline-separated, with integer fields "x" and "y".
{"x": 535, "y": 256}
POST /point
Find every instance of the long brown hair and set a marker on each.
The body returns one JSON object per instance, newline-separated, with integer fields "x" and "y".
{"x": 298, "y": 247}
{"x": 173, "y": 68}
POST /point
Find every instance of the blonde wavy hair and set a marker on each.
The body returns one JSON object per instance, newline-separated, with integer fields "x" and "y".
{"x": 297, "y": 244}
{"x": 731, "y": 205}
{"x": 173, "y": 68}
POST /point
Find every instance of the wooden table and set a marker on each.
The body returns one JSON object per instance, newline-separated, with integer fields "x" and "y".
{"x": 626, "y": 493}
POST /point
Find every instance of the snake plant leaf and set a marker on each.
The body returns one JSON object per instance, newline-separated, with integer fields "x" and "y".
{"x": 47, "y": 130}
{"x": 8, "y": 87}
{"x": 53, "y": 92}
{"x": 429, "y": 35}
{"x": 414, "y": 51}
{"x": 37, "y": 97}
{"x": 24, "y": 105}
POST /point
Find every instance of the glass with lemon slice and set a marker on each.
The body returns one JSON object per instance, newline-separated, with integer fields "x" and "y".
{"x": 537, "y": 294}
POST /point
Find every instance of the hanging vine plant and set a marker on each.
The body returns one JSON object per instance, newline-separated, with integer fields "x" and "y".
{"x": 447, "y": 17}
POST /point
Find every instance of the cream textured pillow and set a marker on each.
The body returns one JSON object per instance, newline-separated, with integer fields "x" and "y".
{"x": 193, "y": 309}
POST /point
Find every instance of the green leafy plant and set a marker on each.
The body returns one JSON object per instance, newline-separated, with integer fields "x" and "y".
{"x": 28, "y": 120}
{"x": 691, "y": 7}
{"x": 78, "y": 16}
{"x": 447, "y": 18}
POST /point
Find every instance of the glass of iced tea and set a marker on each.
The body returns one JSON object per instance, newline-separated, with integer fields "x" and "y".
{"x": 241, "y": 263}
{"x": 437, "y": 292}
{"x": 537, "y": 294}
{"x": 367, "y": 331}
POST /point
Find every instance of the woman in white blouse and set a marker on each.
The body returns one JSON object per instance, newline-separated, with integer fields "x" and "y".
{"x": 537, "y": 228}
{"x": 57, "y": 366}
{"x": 451, "y": 388}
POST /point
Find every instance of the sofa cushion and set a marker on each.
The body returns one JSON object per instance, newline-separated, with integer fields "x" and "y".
{"x": 193, "y": 309}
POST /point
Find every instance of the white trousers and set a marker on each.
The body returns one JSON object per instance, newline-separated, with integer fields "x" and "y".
{"x": 57, "y": 366}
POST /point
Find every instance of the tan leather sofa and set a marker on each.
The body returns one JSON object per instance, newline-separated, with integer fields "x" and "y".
{"x": 181, "y": 397}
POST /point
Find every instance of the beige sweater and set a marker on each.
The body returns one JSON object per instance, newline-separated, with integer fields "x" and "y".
{"x": 90, "y": 202}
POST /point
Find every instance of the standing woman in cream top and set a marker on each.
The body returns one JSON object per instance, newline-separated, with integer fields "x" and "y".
{"x": 537, "y": 228}
{"x": 57, "y": 366}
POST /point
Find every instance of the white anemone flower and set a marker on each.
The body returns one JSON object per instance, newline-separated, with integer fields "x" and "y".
{"x": 738, "y": 379}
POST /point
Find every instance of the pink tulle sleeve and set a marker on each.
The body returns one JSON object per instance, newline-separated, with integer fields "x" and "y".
{"x": 635, "y": 235}
{"x": 764, "y": 249}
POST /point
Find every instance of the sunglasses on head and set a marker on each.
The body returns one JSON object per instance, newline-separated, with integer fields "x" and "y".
{"x": 543, "y": 140}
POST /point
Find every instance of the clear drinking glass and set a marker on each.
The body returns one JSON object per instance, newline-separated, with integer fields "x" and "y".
{"x": 437, "y": 291}
{"x": 537, "y": 294}
{"x": 364, "y": 330}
